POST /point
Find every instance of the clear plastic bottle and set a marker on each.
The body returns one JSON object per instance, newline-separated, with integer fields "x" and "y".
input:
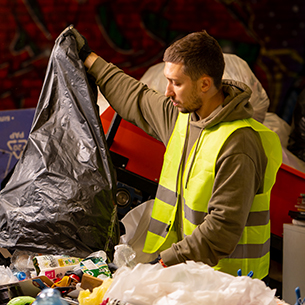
{"x": 49, "y": 296}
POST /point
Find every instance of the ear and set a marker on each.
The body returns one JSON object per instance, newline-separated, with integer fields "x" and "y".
{"x": 206, "y": 82}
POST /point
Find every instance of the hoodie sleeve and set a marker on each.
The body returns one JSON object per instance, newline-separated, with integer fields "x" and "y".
{"x": 134, "y": 101}
{"x": 240, "y": 170}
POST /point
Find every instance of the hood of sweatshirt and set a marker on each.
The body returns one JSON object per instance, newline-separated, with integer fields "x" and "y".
{"x": 236, "y": 106}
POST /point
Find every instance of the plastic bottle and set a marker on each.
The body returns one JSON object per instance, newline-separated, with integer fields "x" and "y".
{"x": 49, "y": 296}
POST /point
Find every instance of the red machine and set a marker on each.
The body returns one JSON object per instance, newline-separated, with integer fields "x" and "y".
{"x": 137, "y": 159}
{"x": 290, "y": 183}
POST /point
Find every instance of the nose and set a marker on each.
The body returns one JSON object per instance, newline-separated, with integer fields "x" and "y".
{"x": 169, "y": 90}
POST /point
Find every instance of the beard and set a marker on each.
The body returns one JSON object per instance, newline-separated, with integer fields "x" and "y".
{"x": 192, "y": 104}
{"x": 196, "y": 104}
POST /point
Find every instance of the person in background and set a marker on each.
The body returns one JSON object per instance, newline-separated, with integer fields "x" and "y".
{"x": 212, "y": 202}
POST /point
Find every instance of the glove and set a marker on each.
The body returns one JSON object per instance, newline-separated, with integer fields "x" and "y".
{"x": 82, "y": 45}
{"x": 158, "y": 260}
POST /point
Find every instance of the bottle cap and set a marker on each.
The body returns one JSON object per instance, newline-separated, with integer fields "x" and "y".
{"x": 21, "y": 276}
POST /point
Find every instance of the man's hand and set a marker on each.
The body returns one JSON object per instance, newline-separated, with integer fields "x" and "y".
{"x": 82, "y": 45}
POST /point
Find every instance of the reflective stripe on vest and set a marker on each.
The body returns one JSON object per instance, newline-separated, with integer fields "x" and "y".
{"x": 256, "y": 236}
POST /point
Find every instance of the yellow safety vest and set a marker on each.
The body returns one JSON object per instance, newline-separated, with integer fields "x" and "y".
{"x": 252, "y": 251}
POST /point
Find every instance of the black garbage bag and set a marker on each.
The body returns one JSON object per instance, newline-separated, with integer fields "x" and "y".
{"x": 296, "y": 142}
{"x": 60, "y": 198}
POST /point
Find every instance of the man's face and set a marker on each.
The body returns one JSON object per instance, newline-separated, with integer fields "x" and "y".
{"x": 184, "y": 93}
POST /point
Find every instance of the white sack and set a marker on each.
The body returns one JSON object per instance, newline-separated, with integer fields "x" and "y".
{"x": 238, "y": 69}
{"x": 186, "y": 284}
{"x": 279, "y": 126}
{"x": 283, "y": 129}
{"x": 136, "y": 223}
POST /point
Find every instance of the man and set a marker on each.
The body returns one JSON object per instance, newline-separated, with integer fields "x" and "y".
{"x": 212, "y": 203}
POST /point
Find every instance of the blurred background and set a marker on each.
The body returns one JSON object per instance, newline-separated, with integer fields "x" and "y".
{"x": 268, "y": 34}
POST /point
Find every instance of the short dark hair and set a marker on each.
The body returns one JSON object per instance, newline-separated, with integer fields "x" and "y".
{"x": 200, "y": 54}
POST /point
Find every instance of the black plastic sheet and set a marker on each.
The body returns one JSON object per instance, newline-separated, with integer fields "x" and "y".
{"x": 60, "y": 198}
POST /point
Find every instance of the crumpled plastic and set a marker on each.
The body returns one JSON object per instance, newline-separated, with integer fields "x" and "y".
{"x": 124, "y": 255}
{"x": 238, "y": 69}
{"x": 136, "y": 223}
{"x": 279, "y": 126}
{"x": 188, "y": 283}
{"x": 95, "y": 297}
{"x": 7, "y": 276}
{"x": 60, "y": 198}
{"x": 283, "y": 129}
{"x": 235, "y": 68}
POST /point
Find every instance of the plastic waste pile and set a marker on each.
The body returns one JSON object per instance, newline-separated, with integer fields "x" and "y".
{"x": 60, "y": 278}
{"x": 95, "y": 280}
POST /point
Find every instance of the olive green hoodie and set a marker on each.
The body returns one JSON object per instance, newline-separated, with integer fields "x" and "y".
{"x": 240, "y": 165}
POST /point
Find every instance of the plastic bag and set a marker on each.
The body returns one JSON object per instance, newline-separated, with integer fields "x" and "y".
{"x": 235, "y": 68}
{"x": 22, "y": 264}
{"x": 136, "y": 223}
{"x": 124, "y": 255}
{"x": 279, "y": 126}
{"x": 60, "y": 198}
{"x": 7, "y": 276}
{"x": 186, "y": 284}
{"x": 238, "y": 69}
{"x": 96, "y": 296}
